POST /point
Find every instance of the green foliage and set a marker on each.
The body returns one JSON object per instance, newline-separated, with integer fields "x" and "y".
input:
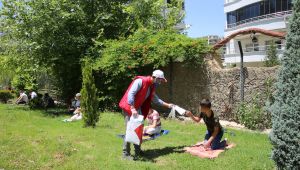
{"x": 6, "y": 73}
{"x": 57, "y": 34}
{"x": 139, "y": 54}
{"x": 271, "y": 57}
{"x": 89, "y": 99}
{"x": 156, "y": 14}
{"x": 253, "y": 115}
{"x": 285, "y": 109}
{"x": 21, "y": 74}
{"x": 36, "y": 103}
{"x": 5, "y": 95}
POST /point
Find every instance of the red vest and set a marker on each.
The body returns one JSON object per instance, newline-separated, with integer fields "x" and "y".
{"x": 140, "y": 98}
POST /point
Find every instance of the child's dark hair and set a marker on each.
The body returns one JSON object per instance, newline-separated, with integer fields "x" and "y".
{"x": 205, "y": 103}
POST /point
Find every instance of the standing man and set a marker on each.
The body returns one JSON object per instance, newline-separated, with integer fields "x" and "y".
{"x": 137, "y": 100}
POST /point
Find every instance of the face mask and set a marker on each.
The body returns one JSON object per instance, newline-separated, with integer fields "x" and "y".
{"x": 157, "y": 81}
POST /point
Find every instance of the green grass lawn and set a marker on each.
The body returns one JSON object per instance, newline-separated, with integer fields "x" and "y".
{"x": 34, "y": 140}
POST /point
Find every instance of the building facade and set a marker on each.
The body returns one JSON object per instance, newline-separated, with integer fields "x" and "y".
{"x": 264, "y": 14}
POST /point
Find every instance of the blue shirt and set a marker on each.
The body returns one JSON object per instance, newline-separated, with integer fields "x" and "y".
{"x": 136, "y": 86}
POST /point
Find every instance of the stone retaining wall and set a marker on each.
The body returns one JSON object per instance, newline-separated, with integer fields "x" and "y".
{"x": 187, "y": 85}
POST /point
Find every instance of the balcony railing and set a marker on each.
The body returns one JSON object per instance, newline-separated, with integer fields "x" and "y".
{"x": 260, "y": 18}
{"x": 229, "y": 1}
{"x": 247, "y": 50}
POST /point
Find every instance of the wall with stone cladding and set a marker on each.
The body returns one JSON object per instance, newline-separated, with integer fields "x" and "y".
{"x": 187, "y": 85}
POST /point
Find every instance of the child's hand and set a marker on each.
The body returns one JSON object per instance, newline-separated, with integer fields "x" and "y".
{"x": 206, "y": 145}
{"x": 188, "y": 113}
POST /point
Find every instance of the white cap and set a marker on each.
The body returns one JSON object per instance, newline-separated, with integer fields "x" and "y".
{"x": 78, "y": 95}
{"x": 159, "y": 74}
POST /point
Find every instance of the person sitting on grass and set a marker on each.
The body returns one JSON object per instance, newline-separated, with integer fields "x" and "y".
{"x": 214, "y": 131}
{"x": 75, "y": 103}
{"x": 23, "y": 98}
{"x": 154, "y": 124}
{"x": 32, "y": 94}
{"x": 48, "y": 101}
{"x": 77, "y": 116}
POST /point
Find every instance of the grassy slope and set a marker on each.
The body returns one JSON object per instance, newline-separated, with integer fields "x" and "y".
{"x": 32, "y": 140}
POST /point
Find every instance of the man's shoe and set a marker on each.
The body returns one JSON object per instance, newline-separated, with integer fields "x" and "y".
{"x": 127, "y": 157}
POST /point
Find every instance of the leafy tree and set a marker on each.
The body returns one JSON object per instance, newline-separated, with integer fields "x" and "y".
{"x": 285, "y": 110}
{"x": 57, "y": 34}
{"x": 271, "y": 58}
{"x": 156, "y": 14}
{"x": 89, "y": 100}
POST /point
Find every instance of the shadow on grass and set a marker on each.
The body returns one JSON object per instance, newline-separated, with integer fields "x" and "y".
{"x": 54, "y": 112}
{"x": 151, "y": 154}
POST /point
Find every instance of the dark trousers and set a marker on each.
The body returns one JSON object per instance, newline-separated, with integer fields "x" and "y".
{"x": 216, "y": 143}
{"x": 126, "y": 145}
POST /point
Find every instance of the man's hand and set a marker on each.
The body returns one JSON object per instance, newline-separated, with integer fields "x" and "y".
{"x": 170, "y": 105}
{"x": 134, "y": 112}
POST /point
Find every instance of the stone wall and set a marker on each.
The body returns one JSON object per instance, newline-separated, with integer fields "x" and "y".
{"x": 187, "y": 85}
{"x": 225, "y": 87}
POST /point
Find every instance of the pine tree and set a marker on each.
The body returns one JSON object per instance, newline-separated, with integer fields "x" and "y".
{"x": 271, "y": 58}
{"x": 89, "y": 101}
{"x": 285, "y": 135}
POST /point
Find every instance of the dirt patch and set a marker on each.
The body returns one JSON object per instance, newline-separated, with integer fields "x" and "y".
{"x": 59, "y": 156}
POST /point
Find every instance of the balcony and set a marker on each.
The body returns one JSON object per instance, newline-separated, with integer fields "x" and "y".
{"x": 255, "y": 50}
{"x": 267, "y": 17}
{"x": 229, "y": 1}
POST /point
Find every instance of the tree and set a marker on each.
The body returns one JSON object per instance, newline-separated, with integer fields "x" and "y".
{"x": 271, "y": 58}
{"x": 285, "y": 110}
{"x": 57, "y": 34}
{"x": 89, "y": 100}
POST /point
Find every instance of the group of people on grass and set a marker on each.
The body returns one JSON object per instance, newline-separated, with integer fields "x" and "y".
{"x": 48, "y": 102}
{"x": 141, "y": 94}
{"x": 23, "y": 98}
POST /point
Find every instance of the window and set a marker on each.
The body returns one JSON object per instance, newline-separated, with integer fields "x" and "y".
{"x": 231, "y": 18}
{"x": 249, "y": 47}
{"x": 289, "y": 4}
{"x": 284, "y": 5}
{"x": 262, "y": 8}
{"x": 256, "y": 46}
{"x": 257, "y": 9}
{"x": 278, "y": 5}
{"x": 252, "y": 47}
{"x": 272, "y": 6}
{"x": 278, "y": 44}
{"x": 268, "y": 44}
{"x": 267, "y": 7}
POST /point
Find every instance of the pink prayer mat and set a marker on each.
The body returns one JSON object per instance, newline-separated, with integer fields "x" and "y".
{"x": 200, "y": 151}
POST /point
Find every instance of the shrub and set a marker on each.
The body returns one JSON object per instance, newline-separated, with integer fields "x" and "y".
{"x": 36, "y": 103}
{"x": 89, "y": 99}
{"x": 5, "y": 95}
{"x": 271, "y": 58}
{"x": 253, "y": 114}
